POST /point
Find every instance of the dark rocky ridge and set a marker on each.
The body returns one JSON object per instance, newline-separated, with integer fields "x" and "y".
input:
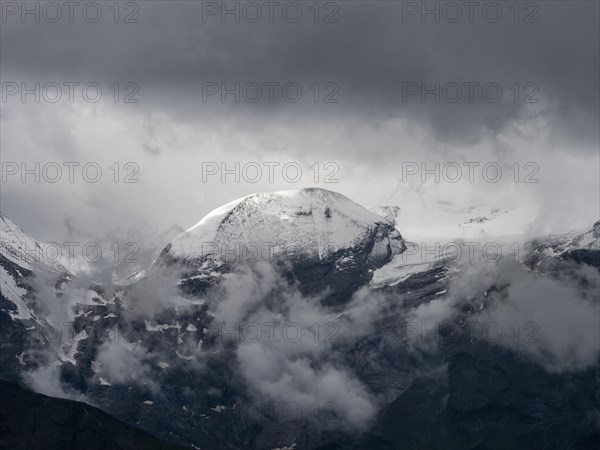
{"x": 35, "y": 421}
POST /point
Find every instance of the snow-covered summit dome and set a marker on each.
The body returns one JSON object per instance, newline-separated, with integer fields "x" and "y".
{"x": 311, "y": 221}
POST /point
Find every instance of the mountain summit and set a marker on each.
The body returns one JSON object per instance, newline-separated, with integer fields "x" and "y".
{"x": 325, "y": 237}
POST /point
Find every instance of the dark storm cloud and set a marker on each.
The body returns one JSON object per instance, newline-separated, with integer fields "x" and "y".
{"x": 369, "y": 54}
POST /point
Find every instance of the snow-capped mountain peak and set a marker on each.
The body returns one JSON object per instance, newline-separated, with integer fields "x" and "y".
{"x": 319, "y": 219}
{"x": 324, "y": 240}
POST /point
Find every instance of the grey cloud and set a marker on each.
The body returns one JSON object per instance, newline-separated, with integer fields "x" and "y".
{"x": 121, "y": 362}
{"x": 552, "y": 321}
{"x": 369, "y": 133}
{"x": 46, "y": 380}
{"x": 369, "y": 54}
{"x": 301, "y": 370}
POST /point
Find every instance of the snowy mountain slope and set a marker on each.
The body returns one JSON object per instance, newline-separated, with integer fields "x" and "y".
{"x": 330, "y": 241}
{"x": 581, "y": 246}
{"x": 547, "y": 251}
{"x": 557, "y": 244}
{"x": 283, "y": 221}
{"x": 20, "y": 257}
{"x": 22, "y": 327}
{"x": 21, "y": 249}
{"x": 409, "y": 263}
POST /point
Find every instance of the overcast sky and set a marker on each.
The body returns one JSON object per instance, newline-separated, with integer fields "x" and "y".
{"x": 361, "y": 67}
